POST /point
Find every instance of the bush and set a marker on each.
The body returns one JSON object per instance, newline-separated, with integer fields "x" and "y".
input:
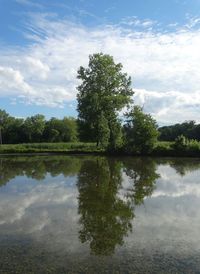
{"x": 184, "y": 146}
{"x": 140, "y": 132}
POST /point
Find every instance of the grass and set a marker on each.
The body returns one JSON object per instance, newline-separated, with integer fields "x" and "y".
{"x": 49, "y": 148}
{"x": 163, "y": 148}
{"x": 190, "y": 149}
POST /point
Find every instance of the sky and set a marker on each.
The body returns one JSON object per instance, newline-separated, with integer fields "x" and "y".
{"x": 44, "y": 42}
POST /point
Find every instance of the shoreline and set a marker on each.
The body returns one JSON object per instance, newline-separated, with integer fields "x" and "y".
{"x": 162, "y": 149}
{"x": 95, "y": 153}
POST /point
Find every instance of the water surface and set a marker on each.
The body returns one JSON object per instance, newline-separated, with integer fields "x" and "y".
{"x": 91, "y": 214}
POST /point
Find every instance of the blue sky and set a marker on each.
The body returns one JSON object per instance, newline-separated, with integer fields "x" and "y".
{"x": 42, "y": 44}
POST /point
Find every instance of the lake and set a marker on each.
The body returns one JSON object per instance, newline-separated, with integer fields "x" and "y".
{"x": 93, "y": 214}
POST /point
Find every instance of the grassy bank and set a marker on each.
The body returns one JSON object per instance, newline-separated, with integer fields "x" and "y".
{"x": 173, "y": 149}
{"x": 161, "y": 149}
{"x": 49, "y": 148}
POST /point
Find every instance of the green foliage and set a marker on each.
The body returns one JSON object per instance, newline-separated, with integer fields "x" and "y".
{"x": 180, "y": 143}
{"x": 33, "y": 128}
{"x": 36, "y": 129}
{"x": 104, "y": 91}
{"x": 189, "y": 129}
{"x": 163, "y": 149}
{"x": 184, "y": 146}
{"x": 77, "y": 147}
{"x": 140, "y": 132}
{"x": 64, "y": 130}
{"x": 103, "y": 131}
{"x": 4, "y": 119}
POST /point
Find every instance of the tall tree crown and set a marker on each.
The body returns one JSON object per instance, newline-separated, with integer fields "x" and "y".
{"x": 105, "y": 89}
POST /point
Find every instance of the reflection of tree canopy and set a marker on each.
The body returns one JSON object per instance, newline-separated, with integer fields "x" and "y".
{"x": 181, "y": 165}
{"x": 105, "y": 218}
{"x": 37, "y": 167}
{"x": 106, "y": 214}
{"x": 142, "y": 173}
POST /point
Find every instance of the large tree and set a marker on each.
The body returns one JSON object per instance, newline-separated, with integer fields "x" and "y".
{"x": 103, "y": 92}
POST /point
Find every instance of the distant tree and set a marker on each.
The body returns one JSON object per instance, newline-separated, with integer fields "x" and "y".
{"x": 14, "y": 131}
{"x": 104, "y": 91}
{"x": 34, "y": 127}
{"x": 180, "y": 143}
{"x": 140, "y": 131}
{"x": 4, "y": 118}
{"x": 64, "y": 130}
{"x": 53, "y": 129}
{"x": 70, "y": 126}
{"x": 188, "y": 128}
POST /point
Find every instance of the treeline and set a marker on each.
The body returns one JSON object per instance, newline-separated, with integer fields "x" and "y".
{"x": 189, "y": 129}
{"x": 36, "y": 129}
{"x": 137, "y": 135}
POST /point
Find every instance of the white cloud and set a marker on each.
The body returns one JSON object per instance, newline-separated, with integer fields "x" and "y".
{"x": 56, "y": 193}
{"x": 12, "y": 81}
{"x": 164, "y": 66}
{"x": 36, "y": 67}
{"x": 170, "y": 106}
{"x": 135, "y": 21}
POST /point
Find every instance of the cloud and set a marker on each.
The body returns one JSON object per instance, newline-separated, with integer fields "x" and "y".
{"x": 136, "y": 22}
{"x": 164, "y": 66}
{"x": 12, "y": 81}
{"x": 169, "y": 106}
{"x": 29, "y": 3}
{"x": 36, "y": 67}
{"x": 164, "y": 221}
{"x": 14, "y": 208}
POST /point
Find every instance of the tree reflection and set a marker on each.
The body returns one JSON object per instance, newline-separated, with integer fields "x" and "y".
{"x": 37, "y": 167}
{"x": 142, "y": 173}
{"x": 105, "y": 213}
{"x": 182, "y": 166}
{"x": 105, "y": 218}
{"x": 109, "y": 190}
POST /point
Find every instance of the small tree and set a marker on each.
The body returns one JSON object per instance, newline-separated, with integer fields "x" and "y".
{"x": 180, "y": 143}
{"x": 104, "y": 91}
{"x": 140, "y": 131}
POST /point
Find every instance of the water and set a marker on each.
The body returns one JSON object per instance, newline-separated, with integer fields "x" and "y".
{"x": 91, "y": 214}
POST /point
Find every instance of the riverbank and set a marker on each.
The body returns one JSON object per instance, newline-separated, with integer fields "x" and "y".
{"x": 162, "y": 149}
{"x": 50, "y": 148}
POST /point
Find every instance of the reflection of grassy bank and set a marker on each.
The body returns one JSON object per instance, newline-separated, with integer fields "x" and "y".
{"x": 161, "y": 149}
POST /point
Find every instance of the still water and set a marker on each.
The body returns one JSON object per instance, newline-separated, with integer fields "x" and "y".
{"x": 91, "y": 214}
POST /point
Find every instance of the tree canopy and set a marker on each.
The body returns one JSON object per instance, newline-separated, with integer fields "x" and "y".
{"x": 140, "y": 131}
{"x": 189, "y": 129}
{"x": 36, "y": 129}
{"x": 103, "y": 92}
